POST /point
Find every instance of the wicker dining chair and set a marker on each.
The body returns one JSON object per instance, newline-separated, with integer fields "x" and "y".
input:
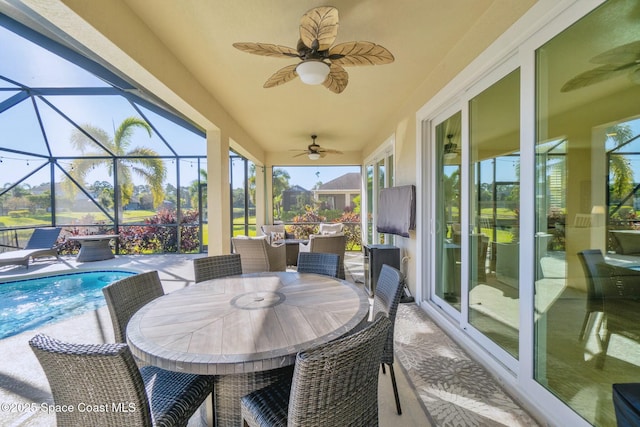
{"x": 258, "y": 255}
{"x": 335, "y": 384}
{"x": 319, "y": 263}
{"x": 105, "y": 379}
{"x": 126, "y": 296}
{"x": 213, "y": 267}
{"x": 386, "y": 299}
{"x": 328, "y": 244}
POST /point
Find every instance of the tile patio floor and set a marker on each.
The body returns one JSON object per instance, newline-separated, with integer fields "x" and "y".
{"x": 434, "y": 391}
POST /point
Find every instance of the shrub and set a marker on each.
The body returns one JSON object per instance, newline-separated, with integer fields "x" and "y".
{"x": 19, "y": 213}
{"x": 309, "y": 221}
{"x": 352, "y": 229}
{"x": 160, "y": 234}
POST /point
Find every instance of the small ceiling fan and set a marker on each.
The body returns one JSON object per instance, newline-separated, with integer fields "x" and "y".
{"x": 321, "y": 63}
{"x": 624, "y": 59}
{"x": 314, "y": 151}
{"x": 451, "y": 149}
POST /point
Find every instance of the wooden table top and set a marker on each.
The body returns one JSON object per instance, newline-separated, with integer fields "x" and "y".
{"x": 246, "y": 323}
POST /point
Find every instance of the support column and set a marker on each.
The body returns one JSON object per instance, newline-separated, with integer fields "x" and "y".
{"x": 218, "y": 193}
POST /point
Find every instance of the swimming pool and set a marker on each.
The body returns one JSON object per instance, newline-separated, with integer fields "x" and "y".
{"x": 29, "y": 303}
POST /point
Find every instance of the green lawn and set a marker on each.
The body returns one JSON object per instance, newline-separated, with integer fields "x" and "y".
{"x": 238, "y": 226}
{"x": 72, "y": 217}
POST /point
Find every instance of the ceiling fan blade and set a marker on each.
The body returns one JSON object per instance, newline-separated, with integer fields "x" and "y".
{"x": 621, "y": 55}
{"x": 281, "y": 76}
{"x": 595, "y": 75}
{"x": 319, "y": 26}
{"x": 331, "y": 151}
{"x": 304, "y": 153}
{"x": 337, "y": 79}
{"x": 360, "y": 53}
{"x": 266, "y": 49}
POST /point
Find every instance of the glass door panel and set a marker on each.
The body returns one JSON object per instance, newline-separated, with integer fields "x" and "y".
{"x": 587, "y": 207}
{"x": 494, "y": 194}
{"x": 369, "y": 202}
{"x": 448, "y": 230}
{"x": 381, "y": 184}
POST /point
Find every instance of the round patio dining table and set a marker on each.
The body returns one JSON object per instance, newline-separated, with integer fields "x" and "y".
{"x": 245, "y": 330}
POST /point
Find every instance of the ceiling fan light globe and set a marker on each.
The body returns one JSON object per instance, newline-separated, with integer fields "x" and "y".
{"x": 314, "y": 156}
{"x": 313, "y": 72}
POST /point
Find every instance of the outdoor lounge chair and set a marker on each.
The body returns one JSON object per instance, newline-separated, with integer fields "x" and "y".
{"x": 42, "y": 243}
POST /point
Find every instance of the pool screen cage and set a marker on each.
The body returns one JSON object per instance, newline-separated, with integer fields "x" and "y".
{"x": 85, "y": 149}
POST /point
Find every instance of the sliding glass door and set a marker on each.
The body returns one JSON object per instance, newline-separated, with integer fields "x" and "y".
{"x": 494, "y": 212}
{"x": 448, "y": 229}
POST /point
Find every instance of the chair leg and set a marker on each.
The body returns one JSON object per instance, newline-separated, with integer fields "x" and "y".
{"x": 395, "y": 388}
{"x": 587, "y": 316}
{"x": 383, "y": 370}
{"x": 605, "y": 347}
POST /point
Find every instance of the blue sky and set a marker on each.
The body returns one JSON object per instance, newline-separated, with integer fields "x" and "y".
{"x": 304, "y": 176}
{"x": 308, "y": 176}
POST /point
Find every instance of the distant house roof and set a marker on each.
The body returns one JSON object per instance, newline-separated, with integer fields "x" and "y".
{"x": 297, "y": 188}
{"x": 348, "y": 181}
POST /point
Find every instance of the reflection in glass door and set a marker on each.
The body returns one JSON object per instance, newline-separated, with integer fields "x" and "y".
{"x": 587, "y": 303}
{"x": 494, "y": 212}
{"x": 369, "y": 204}
{"x": 381, "y": 184}
{"x": 447, "y": 214}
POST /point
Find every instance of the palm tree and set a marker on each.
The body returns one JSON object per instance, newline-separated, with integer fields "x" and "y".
{"x": 619, "y": 166}
{"x": 280, "y": 183}
{"x": 141, "y": 161}
{"x": 194, "y": 189}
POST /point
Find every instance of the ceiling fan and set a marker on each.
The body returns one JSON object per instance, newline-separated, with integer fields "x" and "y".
{"x": 451, "y": 149}
{"x": 314, "y": 151}
{"x": 321, "y": 63}
{"x": 624, "y": 59}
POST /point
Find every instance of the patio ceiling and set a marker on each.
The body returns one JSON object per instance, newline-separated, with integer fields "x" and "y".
{"x": 432, "y": 40}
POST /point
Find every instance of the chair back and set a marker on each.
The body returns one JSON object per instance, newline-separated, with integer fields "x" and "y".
{"x": 93, "y": 375}
{"x": 590, "y": 259}
{"x": 330, "y": 244}
{"x": 331, "y": 228}
{"x": 215, "y": 266}
{"x": 337, "y": 383}
{"x": 126, "y": 296}
{"x": 386, "y": 299}
{"x": 274, "y": 232}
{"x": 253, "y": 254}
{"x": 258, "y": 255}
{"x": 319, "y": 263}
{"x": 43, "y": 238}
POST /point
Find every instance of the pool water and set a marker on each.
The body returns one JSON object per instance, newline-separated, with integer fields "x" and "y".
{"x": 29, "y": 303}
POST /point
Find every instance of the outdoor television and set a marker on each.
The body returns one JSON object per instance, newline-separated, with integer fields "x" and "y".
{"x": 397, "y": 210}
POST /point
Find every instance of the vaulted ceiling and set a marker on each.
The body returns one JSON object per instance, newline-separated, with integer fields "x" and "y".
{"x": 431, "y": 40}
